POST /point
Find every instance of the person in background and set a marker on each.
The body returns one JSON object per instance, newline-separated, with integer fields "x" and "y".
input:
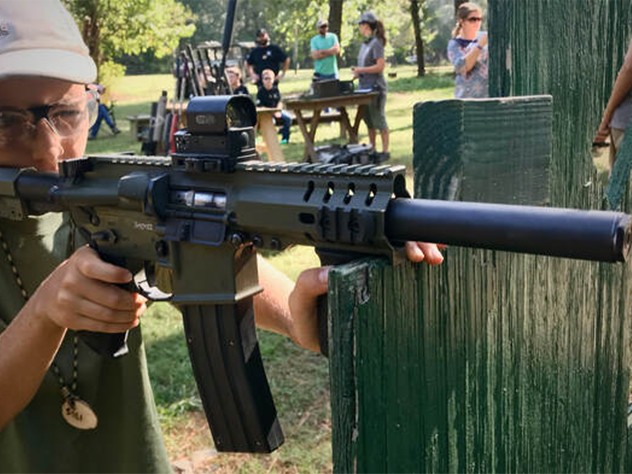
{"x": 269, "y": 96}
{"x": 618, "y": 112}
{"x": 370, "y": 75}
{"x": 103, "y": 114}
{"x": 468, "y": 53}
{"x": 266, "y": 56}
{"x": 325, "y": 47}
{"x": 235, "y": 82}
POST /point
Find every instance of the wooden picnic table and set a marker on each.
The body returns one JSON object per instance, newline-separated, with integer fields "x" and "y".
{"x": 317, "y": 105}
{"x": 137, "y": 124}
{"x": 265, "y": 123}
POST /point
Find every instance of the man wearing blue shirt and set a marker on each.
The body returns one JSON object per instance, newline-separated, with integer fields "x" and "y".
{"x": 325, "y": 47}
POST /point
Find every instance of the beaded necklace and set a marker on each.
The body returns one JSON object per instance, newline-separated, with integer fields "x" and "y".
{"x": 74, "y": 410}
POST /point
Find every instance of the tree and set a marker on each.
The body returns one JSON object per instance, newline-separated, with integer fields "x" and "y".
{"x": 210, "y": 16}
{"x": 293, "y": 23}
{"x": 120, "y": 31}
{"x": 335, "y": 17}
{"x": 419, "y": 44}
{"x": 112, "y": 28}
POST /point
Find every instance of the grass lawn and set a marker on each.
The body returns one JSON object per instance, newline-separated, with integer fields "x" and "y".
{"x": 298, "y": 379}
{"x": 132, "y": 95}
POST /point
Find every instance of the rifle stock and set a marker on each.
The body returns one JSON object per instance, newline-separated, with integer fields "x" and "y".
{"x": 192, "y": 224}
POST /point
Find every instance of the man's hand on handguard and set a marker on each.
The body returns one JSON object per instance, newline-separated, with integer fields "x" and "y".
{"x": 424, "y": 252}
{"x": 303, "y": 301}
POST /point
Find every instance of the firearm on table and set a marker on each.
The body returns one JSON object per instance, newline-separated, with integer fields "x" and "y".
{"x": 193, "y": 223}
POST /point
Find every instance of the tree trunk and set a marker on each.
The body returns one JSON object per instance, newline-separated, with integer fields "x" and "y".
{"x": 335, "y": 20}
{"x": 91, "y": 31}
{"x": 92, "y": 37}
{"x": 419, "y": 44}
{"x": 335, "y": 16}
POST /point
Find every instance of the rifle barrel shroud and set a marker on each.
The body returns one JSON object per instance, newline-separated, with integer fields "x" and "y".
{"x": 192, "y": 223}
{"x": 558, "y": 232}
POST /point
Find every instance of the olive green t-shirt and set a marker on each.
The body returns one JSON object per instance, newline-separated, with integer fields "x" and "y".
{"x": 127, "y": 437}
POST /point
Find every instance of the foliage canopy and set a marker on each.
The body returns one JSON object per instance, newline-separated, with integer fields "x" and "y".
{"x": 112, "y": 28}
{"x": 139, "y": 32}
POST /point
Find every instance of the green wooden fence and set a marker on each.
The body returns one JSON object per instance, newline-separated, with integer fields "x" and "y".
{"x": 497, "y": 362}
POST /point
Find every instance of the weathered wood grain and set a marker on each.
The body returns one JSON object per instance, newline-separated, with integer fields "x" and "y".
{"x": 497, "y": 362}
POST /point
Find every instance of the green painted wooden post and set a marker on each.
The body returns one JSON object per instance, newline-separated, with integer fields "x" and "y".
{"x": 496, "y": 362}
{"x": 484, "y": 150}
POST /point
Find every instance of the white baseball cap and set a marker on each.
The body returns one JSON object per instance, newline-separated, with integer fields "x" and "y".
{"x": 40, "y": 38}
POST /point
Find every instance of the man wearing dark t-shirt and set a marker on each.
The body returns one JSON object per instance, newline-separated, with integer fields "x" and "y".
{"x": 266, "y": 56}
{"x": 269, "y": 96}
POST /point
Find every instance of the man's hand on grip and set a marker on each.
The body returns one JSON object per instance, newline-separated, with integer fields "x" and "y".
{"x": 81, "y": 294}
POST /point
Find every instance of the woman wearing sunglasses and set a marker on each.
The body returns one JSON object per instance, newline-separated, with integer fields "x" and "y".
{"x": 467, "y": 51}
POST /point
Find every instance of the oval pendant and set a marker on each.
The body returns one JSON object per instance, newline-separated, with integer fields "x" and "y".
{"x": 78, "y": 414}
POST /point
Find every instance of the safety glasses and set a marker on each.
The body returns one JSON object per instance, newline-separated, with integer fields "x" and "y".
{"x": 66, "y": 118}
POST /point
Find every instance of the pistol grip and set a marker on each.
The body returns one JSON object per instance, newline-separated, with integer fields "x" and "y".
{"x": 231, "y": 380}
{"x": 107, "y": 344}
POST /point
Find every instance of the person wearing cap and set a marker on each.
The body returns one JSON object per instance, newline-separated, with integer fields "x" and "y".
{"x": 370, "y": 75}
{"x": 266, "y": 56}
{"x": 63, "y": 406}
{"x": 324, "y": 48}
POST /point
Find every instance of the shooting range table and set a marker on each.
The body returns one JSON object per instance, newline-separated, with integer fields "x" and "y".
{"x": 317, "y": 105}
{"x": 265, "y": 123}
{"x": 138, "y": 123}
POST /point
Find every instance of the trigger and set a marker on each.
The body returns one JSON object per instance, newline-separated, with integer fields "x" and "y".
{"x": 129, "y": 286}
{"x": 145, "y": 283}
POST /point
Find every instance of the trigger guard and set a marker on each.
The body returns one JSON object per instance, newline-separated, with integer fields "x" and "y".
{"x": 143, "y": 287}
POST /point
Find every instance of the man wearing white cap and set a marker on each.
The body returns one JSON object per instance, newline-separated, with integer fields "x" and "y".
{"x": 63, "y": 407}
{"x": 325, "y": 47}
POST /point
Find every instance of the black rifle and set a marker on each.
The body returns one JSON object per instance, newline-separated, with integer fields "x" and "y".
{"x": 192, "y": 224}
